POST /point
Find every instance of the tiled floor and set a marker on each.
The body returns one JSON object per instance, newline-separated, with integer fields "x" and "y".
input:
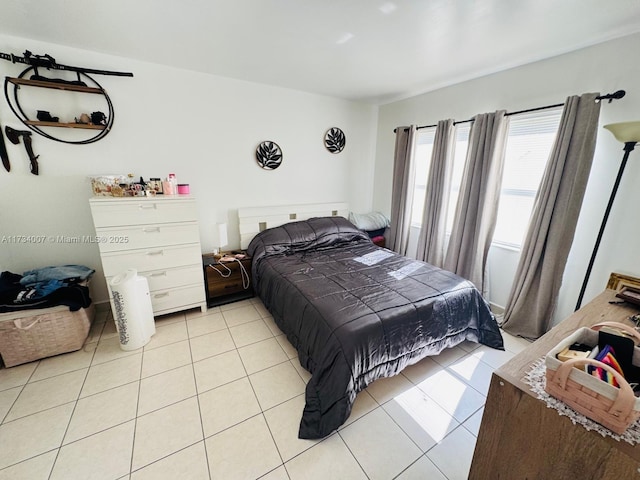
{"x": 219, "y": 396}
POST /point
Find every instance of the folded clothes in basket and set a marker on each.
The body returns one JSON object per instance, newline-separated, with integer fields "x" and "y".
{"x": 48, "y": 292}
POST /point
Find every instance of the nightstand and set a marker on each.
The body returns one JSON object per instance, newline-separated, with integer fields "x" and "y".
{"x": 225, "y": 282}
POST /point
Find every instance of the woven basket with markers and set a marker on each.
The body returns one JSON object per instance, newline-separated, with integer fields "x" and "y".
{"x": 601, "y": 389}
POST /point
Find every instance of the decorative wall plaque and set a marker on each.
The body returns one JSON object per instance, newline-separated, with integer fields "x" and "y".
{"x": 334, "y": 140}
{"x": 269, "y": 155}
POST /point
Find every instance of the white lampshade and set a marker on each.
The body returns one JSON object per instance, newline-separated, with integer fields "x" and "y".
{"x": 222, "y": 235}
{"x": 625, "y": 131}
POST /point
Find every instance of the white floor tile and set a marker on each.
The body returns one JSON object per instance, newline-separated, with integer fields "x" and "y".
{"x": 240, "y": 314}
{"x": 109, "y": 349}
{"x": 421, "y": 418}
{"x": 385, "y": 389}
{"x": 514, "y": 344}
{"x": 454, "y": 454}
{"x": 422, "y": 370}
{"x": 112, "y": 374}
{"x": 286, "y": 346}
{"x": 453, "y": 395}
{"x": 449, "y": 355}
{"x": 165, "y": 431}
{"x": 381, "y": 447}
{"x": 103, "y": 456}
{"x": 52, "y": 366}
{"x": 166, "y": 388}
{"x": 493, "y": 357}
{"x": 276, "y": 385}
{"x": 211, "y": 344}
{"x": 279, "y": 473}
{"x": 364, "y": 404}
{"x": 243, "y": 451}
{"x": 206, "y": 323}
{"x": 165, "y": 358}
{"x": 261, "y": 355}
{"x": 166, "y": 334}
{"x": 474, "y": 421}
{"x": 227, "y": 405}
{"x": 16, "y": 376}
{"x": 33, "y": 435}
{"x": 44, "y": 394}
{"x": 218, "y": 370}
{"x": 284, "y": 423}
{"x": 102, "y": 411}
{"x": 474, "y": 372}
{"x": 7, "y": 397}
{"x": 188, "y": 464}
{"x": 328, "y": 459}
{"x": 423, "y": 469}
{"x": 250, "y": 332}
{"x": 36, "y": 468}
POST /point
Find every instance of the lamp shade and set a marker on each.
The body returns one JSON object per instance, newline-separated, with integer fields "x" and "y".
{"x": 222, "y": 235}
{"x": 625, "y": 131}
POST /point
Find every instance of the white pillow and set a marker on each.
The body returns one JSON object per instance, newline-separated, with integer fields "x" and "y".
{"x": 369, "y": 221}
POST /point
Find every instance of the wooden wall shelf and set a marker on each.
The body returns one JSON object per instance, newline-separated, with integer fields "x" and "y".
{"x": 54, "y": 85}
{"x": 87, "y": 126}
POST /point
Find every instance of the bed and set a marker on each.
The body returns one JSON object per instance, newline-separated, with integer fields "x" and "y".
{"x": 356, "y": 312}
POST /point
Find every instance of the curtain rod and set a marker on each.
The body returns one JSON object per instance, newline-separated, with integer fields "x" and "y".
{"x": 609, "y": 96}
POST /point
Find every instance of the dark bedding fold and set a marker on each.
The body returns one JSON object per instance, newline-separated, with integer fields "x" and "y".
{"x": 356, "y": 312}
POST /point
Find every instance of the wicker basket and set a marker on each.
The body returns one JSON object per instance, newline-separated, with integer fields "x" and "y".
{"x": 615, "y": 408}
{"x": 30, "y": 335}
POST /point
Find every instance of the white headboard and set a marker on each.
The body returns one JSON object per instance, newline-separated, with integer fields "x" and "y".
{"x": 253, "y": 220}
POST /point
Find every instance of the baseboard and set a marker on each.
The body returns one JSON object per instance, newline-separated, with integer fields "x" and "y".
{"x": 496, "y": 309}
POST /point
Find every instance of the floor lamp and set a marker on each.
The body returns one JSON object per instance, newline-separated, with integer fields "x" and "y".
{"x": 629, "y": 134}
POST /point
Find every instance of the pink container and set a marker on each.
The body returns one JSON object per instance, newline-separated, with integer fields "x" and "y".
{"x": 183, "y": 188}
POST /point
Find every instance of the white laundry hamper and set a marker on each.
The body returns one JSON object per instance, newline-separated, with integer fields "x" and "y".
{"x": 133, "y": 313}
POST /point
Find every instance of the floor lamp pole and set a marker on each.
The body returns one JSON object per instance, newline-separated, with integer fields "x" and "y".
{"x": 628, "y": 148}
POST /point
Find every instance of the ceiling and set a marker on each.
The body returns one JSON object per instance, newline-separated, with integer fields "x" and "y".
{"x": 366, "y": 50}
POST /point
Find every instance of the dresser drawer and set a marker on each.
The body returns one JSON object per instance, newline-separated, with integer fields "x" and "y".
{"x": 146, "y": 236}
{"x": 118, "y": 212}
{"x": 169, "y": 277}
{"x": 151, "y": 259}
{"x": 177, "y": 297}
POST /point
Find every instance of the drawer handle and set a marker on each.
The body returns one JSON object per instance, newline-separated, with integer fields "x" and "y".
{"x": 160, "y": 274}
{"x": 160, "y": 295}
{"x": 147, "y": 207}
{"x": 159, "y": 252}
{"x": 151, "y": 229}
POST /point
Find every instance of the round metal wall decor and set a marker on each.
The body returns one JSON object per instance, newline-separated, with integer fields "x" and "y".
{"x": 334, "y": 140}
{"x": 269, "y": 155}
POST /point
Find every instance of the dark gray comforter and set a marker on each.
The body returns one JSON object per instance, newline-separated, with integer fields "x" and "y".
{"x": 356, "y": 312}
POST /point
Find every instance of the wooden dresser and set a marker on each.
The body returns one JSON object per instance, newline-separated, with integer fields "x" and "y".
{"x": 520, "y": 438}
{"x": 158, "y": 236}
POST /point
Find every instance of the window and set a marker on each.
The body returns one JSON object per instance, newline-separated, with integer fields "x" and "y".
{"x": 531, "y": 137}
{"x": 424, "y": 148}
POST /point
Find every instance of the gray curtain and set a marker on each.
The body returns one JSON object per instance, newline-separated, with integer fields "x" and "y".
{"x": 434, "y": 217}
{"x": 477, "y": 207}
{"x": 534, "y": 294}
{"x": 402, "y": 189}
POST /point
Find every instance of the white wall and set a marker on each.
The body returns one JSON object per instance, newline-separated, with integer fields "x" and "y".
{"x": 601, "y": 68}
{"x": 201, "y": 127}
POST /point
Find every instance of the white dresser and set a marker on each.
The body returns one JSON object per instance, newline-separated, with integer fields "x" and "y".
{"x": 159, "y": 237}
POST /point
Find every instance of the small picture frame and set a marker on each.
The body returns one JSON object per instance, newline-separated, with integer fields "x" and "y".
{"x": 155, "y": 185}
{"x": 629, "y": 294}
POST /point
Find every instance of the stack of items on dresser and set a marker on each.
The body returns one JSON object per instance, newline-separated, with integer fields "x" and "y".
{"x": 45, "y": 287}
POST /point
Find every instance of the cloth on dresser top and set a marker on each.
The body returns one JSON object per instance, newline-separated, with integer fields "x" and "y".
{"x": 64, "y": 273}
{"x": 48, "y": 293}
